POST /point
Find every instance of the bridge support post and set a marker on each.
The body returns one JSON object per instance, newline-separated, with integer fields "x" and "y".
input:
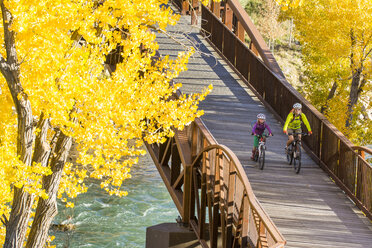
{"x": 187, "y": 195}
{"x": 170, "y": 235}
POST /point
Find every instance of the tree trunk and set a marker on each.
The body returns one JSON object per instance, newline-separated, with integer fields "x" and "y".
{"x": 354, "y": 95}
{"x": 47, "y": 208}
{"x": 290, "y": 32}
{"x": 270, "y": 43}
{"x": 22, "y": 201}
{"x": 330, "y": 96}
{"x": 19, "y": 216}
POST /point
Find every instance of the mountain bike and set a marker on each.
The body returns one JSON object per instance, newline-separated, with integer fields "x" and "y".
{"x": 260, "y": 151}
{"x": 294, "y": 152}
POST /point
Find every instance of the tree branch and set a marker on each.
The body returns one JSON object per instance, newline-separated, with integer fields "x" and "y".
{"x": 9, "y": 67}
{"x": 42, "y": 147}
{"x": 367, "y": 54}
{"x": 9, "y": 39}
{"x": 352, "y": 38}
{"x": 362, "y": 83}
{"x": 4, "y": 220}
{"x": 4, "y": 67}
{"x": 330, "y": 96}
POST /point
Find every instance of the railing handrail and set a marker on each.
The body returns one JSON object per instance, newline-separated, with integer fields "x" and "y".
{"x": 208, "y": 135}
{"x": 256, "y": 38}
{"x": 362, "y": 148}
{"x": 269, "y": 224}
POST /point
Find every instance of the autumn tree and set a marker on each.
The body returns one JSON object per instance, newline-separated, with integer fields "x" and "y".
{"x": 336, "y": 40}
{"x": 56, "y": 89}
{"x": 269, "y": 23}
{"x": 254, "y": 9}
{"x": 289, "y": 3}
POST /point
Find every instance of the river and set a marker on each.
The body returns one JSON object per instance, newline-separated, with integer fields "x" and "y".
{"x": 101, "y": 220}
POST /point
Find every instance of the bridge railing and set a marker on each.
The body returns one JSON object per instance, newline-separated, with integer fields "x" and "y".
{"x": 224, "y": 28}
{"x": 211, "y": 191}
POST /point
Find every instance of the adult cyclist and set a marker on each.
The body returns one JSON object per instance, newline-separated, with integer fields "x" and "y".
{"x": 293, "y": 123}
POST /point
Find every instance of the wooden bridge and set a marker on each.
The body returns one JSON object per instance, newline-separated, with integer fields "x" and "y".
{"x": 219, "y": 192}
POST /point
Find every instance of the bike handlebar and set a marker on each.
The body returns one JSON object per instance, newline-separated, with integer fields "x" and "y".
{"x": 304, "y": 134}
{"x": 263, "y": 135}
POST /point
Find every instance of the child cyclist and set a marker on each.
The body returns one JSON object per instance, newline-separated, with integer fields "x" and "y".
{"x": 293, "y": 124}
{"x": 257, "y": 130}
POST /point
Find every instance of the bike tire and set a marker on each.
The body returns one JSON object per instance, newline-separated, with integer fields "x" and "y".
{"x": 256, "y": 155}
{"x": 297, "y": 161}
{"x": 261, "y": 159}
{"x": 289, "y": 156}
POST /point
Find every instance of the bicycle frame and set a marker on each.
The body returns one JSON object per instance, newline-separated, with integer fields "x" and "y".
{"x": 261, "y": 142}
{"x": 294, "y": 152}
{"x": 260, "y": 151}
{"x": 296, "y": 140}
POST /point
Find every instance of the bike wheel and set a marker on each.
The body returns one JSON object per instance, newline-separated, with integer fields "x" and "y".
{"x": 289, "y": 155}
{"x": 261, "y": 159}
{"x": 297, "y": 160}
{"x": 256, "y": 155}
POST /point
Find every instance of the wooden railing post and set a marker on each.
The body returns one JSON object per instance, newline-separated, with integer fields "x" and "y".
{"x": 262, "y": 234}
{"x": 203, "y": 193}
{"x": 228, "y": 16}
{"x": 216, "y": 8}
{"x": 245, "y": 212}
{"x": 185, "y": 7}
{"x": 194, "y": 140}
{"x": 194, "y": 12}
{"x": 230, "y": 204}
{"x": 253, "y": 49}
{"x": 240, "y": 32}
{"x": 216, "y": 200}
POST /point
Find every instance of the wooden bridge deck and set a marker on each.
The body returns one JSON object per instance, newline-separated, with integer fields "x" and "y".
{"x": 309, "y": 209}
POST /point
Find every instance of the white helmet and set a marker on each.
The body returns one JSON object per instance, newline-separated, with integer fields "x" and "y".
{"x": 261, "y": 116}
{"x": 297, "y": 106}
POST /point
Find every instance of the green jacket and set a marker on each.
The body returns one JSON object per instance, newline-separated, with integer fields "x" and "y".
{"x": 296, "y": 123}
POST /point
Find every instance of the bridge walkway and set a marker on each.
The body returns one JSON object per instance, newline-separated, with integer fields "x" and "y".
{"x": 308, "y": 208}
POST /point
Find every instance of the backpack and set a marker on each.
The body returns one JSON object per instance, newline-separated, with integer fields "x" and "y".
{"x": 294, "y": 117}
